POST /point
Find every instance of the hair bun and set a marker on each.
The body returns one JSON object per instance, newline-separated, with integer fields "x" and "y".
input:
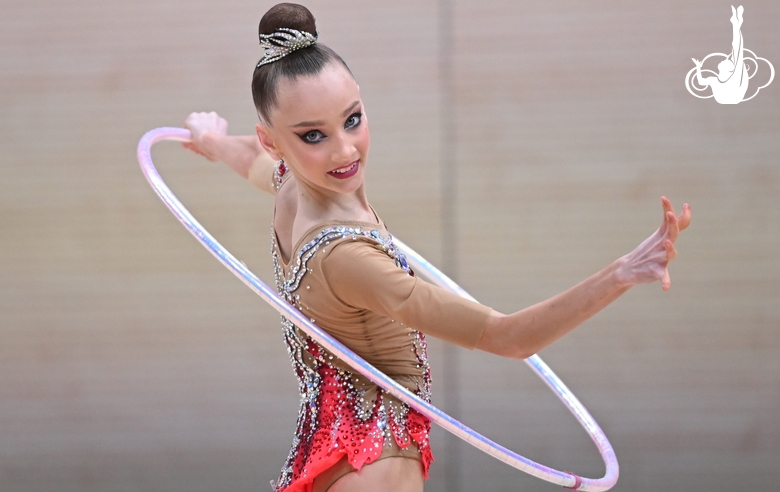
{"x": 290, "y": 16}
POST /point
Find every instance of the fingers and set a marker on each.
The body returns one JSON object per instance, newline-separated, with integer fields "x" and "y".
{"x": 673, "y": 228}
{"x": 666, "y": 280}
{"x": 671, "y": 251}
{"x": 667, "y": 206}
{"x": 674, "y": 225}
{"x": 660, "y": 271}
{"x": 190, "y": 146}
{"x": 685, "y": 217}
{"x": 681, "y": 222}
{"x": 203, "y": 126}
{"x": 664, "y": 222}
{"x": 200, "y": 123}
{"x": 650, "y": 260}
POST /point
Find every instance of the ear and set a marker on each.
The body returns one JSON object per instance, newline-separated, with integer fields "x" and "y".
{"x": 265, "y": 135}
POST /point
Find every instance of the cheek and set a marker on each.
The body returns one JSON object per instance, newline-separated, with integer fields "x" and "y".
{"x": 365, "y": 138}
{"x": 301, "y": 155}
{"x": 313, "y": 156}
{"x": 301, "y": 149}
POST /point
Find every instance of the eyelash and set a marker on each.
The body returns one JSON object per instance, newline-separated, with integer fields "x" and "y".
{"x": 358, "y": 115}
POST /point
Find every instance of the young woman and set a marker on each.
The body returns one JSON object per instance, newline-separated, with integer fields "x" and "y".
{"x": 335, "y": 261}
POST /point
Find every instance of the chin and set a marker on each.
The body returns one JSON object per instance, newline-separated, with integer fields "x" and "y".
{"x": 353, "y": 183}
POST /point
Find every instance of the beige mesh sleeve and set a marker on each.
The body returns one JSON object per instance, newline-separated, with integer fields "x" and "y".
{"x": 363, "y": 277}
{"x": 261, "y": 173}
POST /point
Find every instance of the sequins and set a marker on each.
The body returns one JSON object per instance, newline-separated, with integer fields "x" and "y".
{"x": 340, "y": 410}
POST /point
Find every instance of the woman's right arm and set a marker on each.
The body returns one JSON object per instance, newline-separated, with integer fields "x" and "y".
{"x": 242, "y": 153}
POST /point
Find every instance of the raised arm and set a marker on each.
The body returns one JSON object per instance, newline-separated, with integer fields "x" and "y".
{"x": 526, "y": 332}
{"x": 242, "y": 153}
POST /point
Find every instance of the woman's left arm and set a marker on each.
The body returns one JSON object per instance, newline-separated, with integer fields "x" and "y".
{"x": 526, "y": 332}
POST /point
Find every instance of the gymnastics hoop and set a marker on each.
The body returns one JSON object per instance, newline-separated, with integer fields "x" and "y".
{"x": 420, "y": 265}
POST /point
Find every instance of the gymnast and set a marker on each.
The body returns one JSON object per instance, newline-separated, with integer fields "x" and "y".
{"x": 335, "y": 261}
{"x": 730, "y": 85}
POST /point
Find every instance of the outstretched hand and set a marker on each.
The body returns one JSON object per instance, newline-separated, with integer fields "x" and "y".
{"x": 697, "y": 62}
{"x": 650, "y": 260}
{"x": 201, "y": 125}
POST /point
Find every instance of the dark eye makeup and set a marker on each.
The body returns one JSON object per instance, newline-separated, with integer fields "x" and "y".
{"x": 315, "y": 136}
{"x": 354, "y": 120}
{"x": 312, "y": 136}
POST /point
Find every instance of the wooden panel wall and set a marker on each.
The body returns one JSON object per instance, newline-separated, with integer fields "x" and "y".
{"x": 130, "y": 360}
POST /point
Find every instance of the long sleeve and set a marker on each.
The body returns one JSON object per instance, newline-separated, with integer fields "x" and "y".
{"x": 261, "y": 174}
{"x": 364, "y": 277}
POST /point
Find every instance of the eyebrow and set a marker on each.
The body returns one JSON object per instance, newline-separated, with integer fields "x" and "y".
{"x": 320, "y": 122}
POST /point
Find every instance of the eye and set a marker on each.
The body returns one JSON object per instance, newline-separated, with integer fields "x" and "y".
{"x": 353, "y": 121}
{"x": 312, "y": 136}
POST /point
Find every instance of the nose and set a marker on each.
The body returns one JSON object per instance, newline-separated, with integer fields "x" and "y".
{"x": 343, "y": 148}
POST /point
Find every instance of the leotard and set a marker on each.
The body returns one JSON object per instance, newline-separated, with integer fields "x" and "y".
{"x": 351, "y": 280}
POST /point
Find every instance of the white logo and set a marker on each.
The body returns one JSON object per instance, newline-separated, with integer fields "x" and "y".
{"x": 735, "y": 70}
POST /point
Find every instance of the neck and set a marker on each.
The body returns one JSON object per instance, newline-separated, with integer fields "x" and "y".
{"x": 318, "y": 205}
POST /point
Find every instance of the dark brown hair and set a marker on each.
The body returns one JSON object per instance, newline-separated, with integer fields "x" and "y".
{"x": 303, "y": 62}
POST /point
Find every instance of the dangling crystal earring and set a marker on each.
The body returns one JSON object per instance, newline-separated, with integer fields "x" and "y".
{"x": 279, "y": 172}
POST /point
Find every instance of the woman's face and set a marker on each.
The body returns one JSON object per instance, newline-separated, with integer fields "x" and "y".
{"x": 320, "y": 130}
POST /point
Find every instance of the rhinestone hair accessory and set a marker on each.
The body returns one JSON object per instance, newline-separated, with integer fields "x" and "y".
{"x": 283, "y": 42}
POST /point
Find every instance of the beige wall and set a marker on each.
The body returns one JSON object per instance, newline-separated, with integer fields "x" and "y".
{"x": 130, "y": 360}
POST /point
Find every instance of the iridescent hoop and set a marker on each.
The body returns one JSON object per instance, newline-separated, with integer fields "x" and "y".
{"x": 420, "y": 265}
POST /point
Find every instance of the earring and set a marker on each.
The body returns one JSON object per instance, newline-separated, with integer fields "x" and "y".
{"x": 279, "y": 172}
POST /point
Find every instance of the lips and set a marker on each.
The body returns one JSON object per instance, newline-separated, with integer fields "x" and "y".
{"x": 345, "y": 172}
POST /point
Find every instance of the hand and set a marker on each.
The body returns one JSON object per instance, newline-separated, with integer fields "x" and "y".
{"x": 204, "y": 127}
{"x": 650, "y": 260}
{"x": 697, "y": 62}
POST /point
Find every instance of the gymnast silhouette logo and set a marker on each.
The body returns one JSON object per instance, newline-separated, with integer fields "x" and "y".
{"x": 730, "y": 84}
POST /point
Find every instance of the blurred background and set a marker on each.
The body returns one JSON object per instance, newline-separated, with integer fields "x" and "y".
{"x": 519, "y": 145}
